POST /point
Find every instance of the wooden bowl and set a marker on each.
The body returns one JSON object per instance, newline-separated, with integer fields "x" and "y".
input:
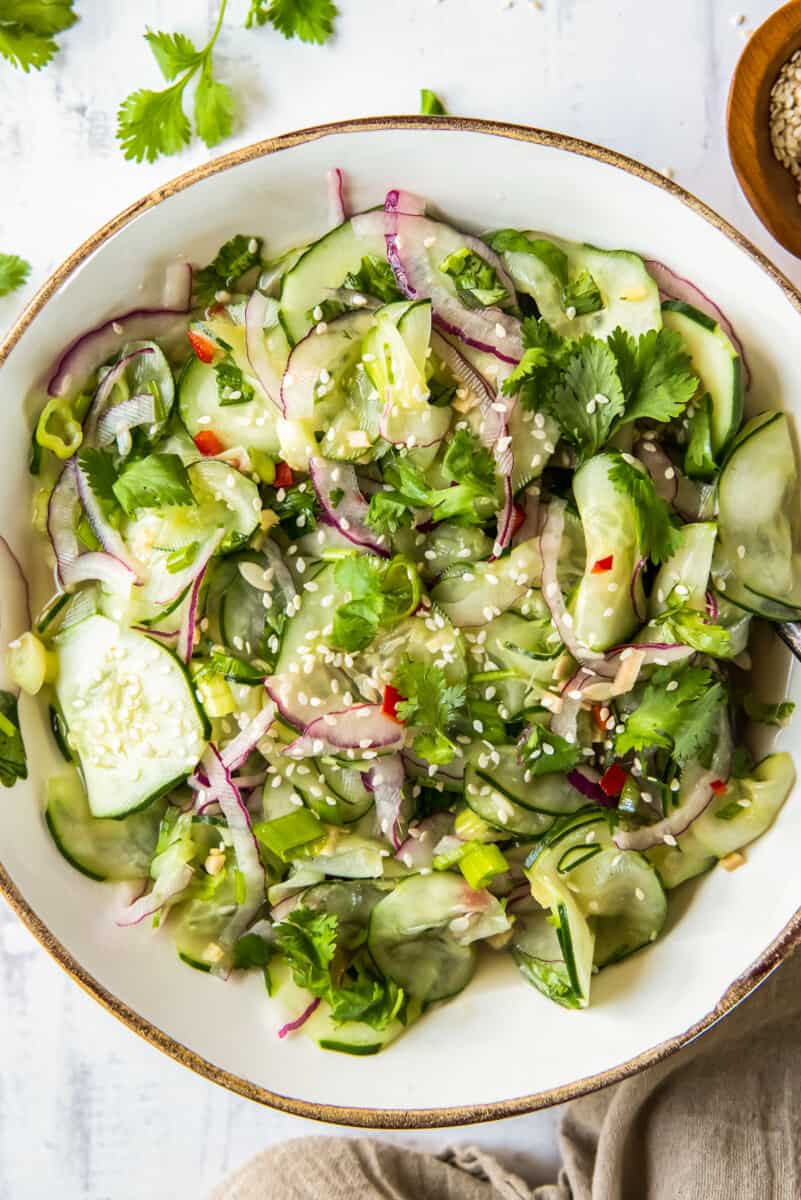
{"x": 770, "y": 188}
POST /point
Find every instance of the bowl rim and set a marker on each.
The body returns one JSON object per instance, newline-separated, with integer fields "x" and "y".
{"x": 396, "y": 1118}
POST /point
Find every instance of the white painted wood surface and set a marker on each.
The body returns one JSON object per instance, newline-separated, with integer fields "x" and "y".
{"x": 87, "y": 1111}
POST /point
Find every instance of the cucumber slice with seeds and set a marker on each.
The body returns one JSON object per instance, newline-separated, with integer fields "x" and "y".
{"x": 253, "y": 424}
{"x": 716, "y": 362}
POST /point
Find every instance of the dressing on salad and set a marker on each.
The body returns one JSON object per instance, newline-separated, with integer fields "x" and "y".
{"x": 403, "y": 596}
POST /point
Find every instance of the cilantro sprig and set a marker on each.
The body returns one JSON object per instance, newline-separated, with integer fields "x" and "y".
{"x": 679, "y": 711}
{"x": 656, "y": 533}
{"x": 655, "y": 372}
{"x": 431, "y": 105}
{"x": 431, "y": 704}
{"x": 379, "y": 594}
{"x": 28, "y": 29}
{"x": 309, "y": 20}
{"x": 544, "y": 752}
{"x": 13, "y": 760}
{"x": 14, "y": 271}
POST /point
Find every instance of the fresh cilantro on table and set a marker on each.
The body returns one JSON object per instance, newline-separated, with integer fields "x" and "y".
{"x": 582, "y": 296}
{"x": 476, "y": 280}
{"x": 14, "y": 271}
{"x": 431, "y": 105}
{"x": 13, "y": 760}
{"x": 656, "y": 533}
{"x": 374, "y": 277}
{"x": 28, "y": 29}
{"x": 544, "y": 752}
{"x": 682, "y": 623}
{"x": 160, "y": 480}
{"x": 233, "y": 260}
{"x": 430, "y": 704}
{"x": 679, "y": 710}
{"x": 232, "y": 387}
{"x": 655, "y": 372}
{"x": 309, "y": 20}
{"x": 151, "y": 123}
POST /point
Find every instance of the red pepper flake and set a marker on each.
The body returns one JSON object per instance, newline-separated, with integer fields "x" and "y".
{"x": 208, "y": 443}
{"x": 389, "y": 704}
{"x": 203, "y": 347}
{"x": 283, "y": 475}
{"x": 612, "y": 780}
{"x": 518, "y": 518}
{"x": 598, "y": 717}
{"x": 718, "y": 786}
{"x": 602, "y": 565}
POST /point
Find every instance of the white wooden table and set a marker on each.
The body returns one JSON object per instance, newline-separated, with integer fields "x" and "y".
{"x": 87, "y": 1111}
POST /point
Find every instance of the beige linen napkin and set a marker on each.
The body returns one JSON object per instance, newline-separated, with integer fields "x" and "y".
{"x": 720, "y": 1120}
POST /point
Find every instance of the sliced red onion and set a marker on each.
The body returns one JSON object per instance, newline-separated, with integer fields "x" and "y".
{"x": 565, "y": 722}
{"x": 489, "y": 329}
{"x": 699, "y": 796}
{"x": 350, "y": 514}
{"x": 585, "y": 780}
{"x": 417, "y": 851}
{"x": 175, "y": 585}
{"x": 63, "y": 511}
{"x": 291, "y": 1026}
{"x": 103, "y": 392}
{"x": 505, "y": 519}
{"x": 167, "y": 887}
{"x": 161, "y": 635}
{"x": 186, "y": 634}
{"x": 636, "y": 592}
{"x": 115, "y": 575}
{"x": 398, "y": 201}
{"x": 118, "y": 420}
{"x": 660, "y": 467}
{"x": 550, "y": 545}
{"x": 362, "y": 727}
{"x": 239, "y": 750}
{"x": 177, "y": 294}
{"x": 245, "y": 845}
{"x": 258, "y": 358}
{"x": 711, "y": 605}
{"x": 104, "y": 531}
{"x": 676, "y": 287}
{"x": 336, "y": 197}
{"x": 385, "y": 781}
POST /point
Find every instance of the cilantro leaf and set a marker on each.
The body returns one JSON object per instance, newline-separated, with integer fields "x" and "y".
{"x": 13, "y": 760}
{"x": 356, "y": 623}
{"x": 160, "y": 480}
{"x": 430, "y": 703}
{"x": 27, "y": 28}
{"x": 468, "y": 461}
{"x": 431, "y": 105}
{"x": 98, "y": 467}
{"x": 14, "y": 271}
{"x": 234, "y": 259}
{"x": 297, "y": 509}
{"x": 767, "y": 714}
{"x": 365, "y": 996}
{"x": 388, "y": 512}
{"x": 511, "y": 241}
{"x": 544, "y": 752}
{"x": 678, "y": 711}
{"x": 477, "y": 282}
{"x": 232, "y": 387}
{"x": 588, "y": 399}
{"x": 583, "y": 295}
{"x": 376, "y": 594}
{"x": 174, "y": 52}
{"x": 468, "y": 465}
{"x": 308, "y": 941}
{"x": 152, "y": 123}
{"x": 214, "y": 108}
{"x": 656, "y": 532}
{"x": 699, "y": 457}
{"x": 375, "y": 277}
{"x": 309, "y": 20}
{"x": 656, "y": 373}
{"x": 682, "y": 623}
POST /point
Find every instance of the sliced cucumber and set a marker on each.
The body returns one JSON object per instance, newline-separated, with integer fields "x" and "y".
{"x": 747, "y": 808}
{"x": 350, "y": 856}
{"x": 322, "y": 363}
{"x": 677, "y": 864}
{"x": 604, "y": 613}
{"x": 100, "y": 848}
{"x": 498, "y": 810}
{"x": 689, "y": 568}
{"x": 131, "y": 714}
{"x": 516, "y": 644}
{"x": 198, "y": 921}
{"x": 351, "y": 902}
{"x": 542, "y": 947}
{"x": 717, "y": 364}
{"x": 532, "y": 445}
{"x": 442, "y": 546}
{"x": 253, "y": 425}
{"x": 551, "y": 795}
{"x": 342, "y": 785}
{"x": 477, "y": 592}
{"x": 411, "y": 940}
{"x": 758, "y": 520}
{"x": 323, "y": 266}
{"x": 630, "y": 297}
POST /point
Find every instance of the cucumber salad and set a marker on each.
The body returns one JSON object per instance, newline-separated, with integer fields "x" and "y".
{"x": 403, "y": 594}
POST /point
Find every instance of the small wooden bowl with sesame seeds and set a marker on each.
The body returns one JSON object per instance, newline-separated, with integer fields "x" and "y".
{"x": 769, "y": 187}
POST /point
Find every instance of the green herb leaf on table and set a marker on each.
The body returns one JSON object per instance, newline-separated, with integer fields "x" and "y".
{"x": 431, "y": 105}
{"x": 160, "y": 480}
{"x": 679, "y": 711}
{"x": 14, "y": 271}
{"x": 214, "y": 108}
{"x": 13, "y": 760}
{"x": 174, "y": 52}
{"x": 656, "y": 532}
{"x": 233, "y": 260}
{"x": 27, "y": 29}
{"x": 309, "y": 20}
{"x": 431, "y": 704}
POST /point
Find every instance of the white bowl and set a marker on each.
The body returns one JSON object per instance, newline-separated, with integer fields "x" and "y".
{"x": 500, "y": 1048}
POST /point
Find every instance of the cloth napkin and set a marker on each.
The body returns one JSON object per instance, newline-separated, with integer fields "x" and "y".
{"x": 719, "y": 1120}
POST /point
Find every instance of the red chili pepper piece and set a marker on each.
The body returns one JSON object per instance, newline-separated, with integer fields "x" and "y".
{"x": 602, "y": 565}
{"x": 718, "y": 786}
{"x": 203, "y": 347}
{"x": 600, "y": 721}
{"x": 283, "y": 475}
{"x": 389, "y": 704}
{"x": 612, "y": 780}
{"x": 518, "y": 518}
{"x": 208, "y": 443}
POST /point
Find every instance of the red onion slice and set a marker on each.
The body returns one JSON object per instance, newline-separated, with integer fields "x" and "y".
{"x": 699, "y": 796}
{"x": 103, "y": 392}
{"x": 63, "y": 511}
{"x": 417, "y": 851}
{"x": 398, "y": 201}
{"x": 117, "y": 421}
{"x": 245, "y": 845}
{"x": 167, "y": 888}
{"x": 489, "y": 329}
{"x": 291, "y": 1026}
{"x": 386, "y": 781}
{"x": 186, "y": 634}
{"x": 239, "y": 750}
{"x": 349, "y": 515}
{"x": 104, "y": 531}
{"x": 676, "y": 287}
{"x": 259, "y": 359}
{"x": 362, "y": 727}
{"x": 585, "y": 781}
{"x": 336, "y": 197}
{"x": 505, "y": 519}
{"x": 97, "y": 565}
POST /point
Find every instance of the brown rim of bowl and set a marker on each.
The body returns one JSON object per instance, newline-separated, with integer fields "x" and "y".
{"x": 415, "y": 1118}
